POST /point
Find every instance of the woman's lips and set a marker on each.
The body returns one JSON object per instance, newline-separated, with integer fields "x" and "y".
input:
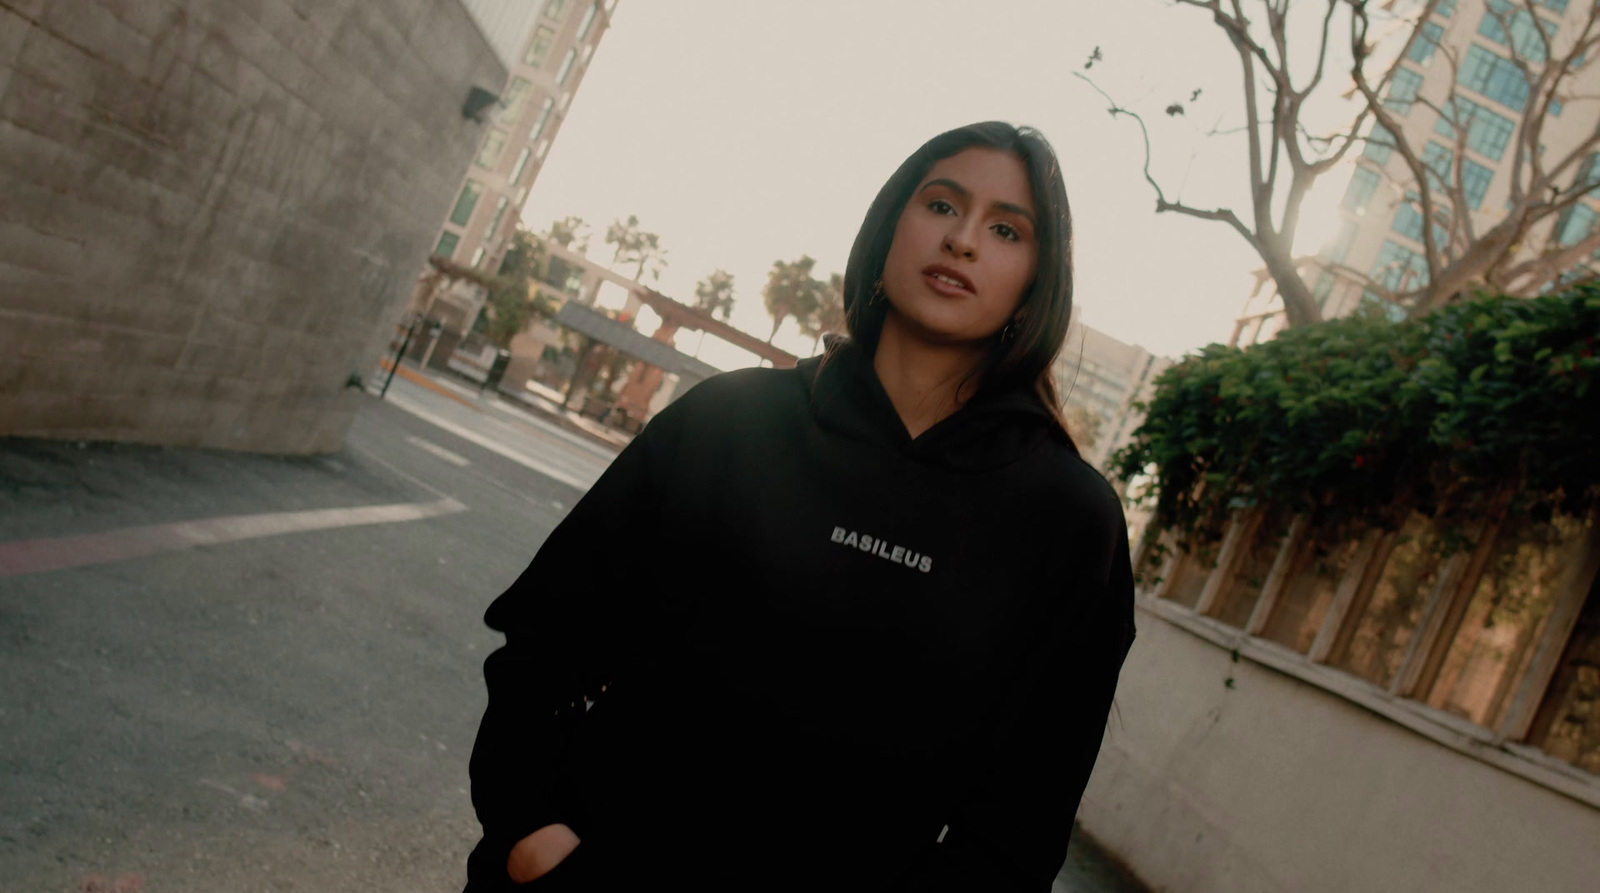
{"x": 941, "y": 282}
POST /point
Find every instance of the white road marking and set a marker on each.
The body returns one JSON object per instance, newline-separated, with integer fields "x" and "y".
{"x": 430, "y": 447}
{"x": 35, "y": 556}
{"x": 493, "y": 446}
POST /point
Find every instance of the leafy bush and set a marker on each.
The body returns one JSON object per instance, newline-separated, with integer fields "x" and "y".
{"x": 1357, "y": 422}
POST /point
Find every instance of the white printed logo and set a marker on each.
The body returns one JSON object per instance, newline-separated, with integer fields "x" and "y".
{"x": 881, "y": 548}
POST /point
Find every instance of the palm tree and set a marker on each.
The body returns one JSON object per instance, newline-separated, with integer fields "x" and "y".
{"x": 791, "y": 291}
{"x": 633, "y": 245}
{"x": 714, "y": 294}
{"x": 569, "y": 230}
{"x": 828, "y": 316}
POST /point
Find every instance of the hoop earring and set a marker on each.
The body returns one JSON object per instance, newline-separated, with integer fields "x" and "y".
{"x": 877, "y": 293}
{"x": 1009, "y": 333}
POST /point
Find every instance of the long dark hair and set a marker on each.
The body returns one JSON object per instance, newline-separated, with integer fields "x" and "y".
{"x": 1024, "y": 358}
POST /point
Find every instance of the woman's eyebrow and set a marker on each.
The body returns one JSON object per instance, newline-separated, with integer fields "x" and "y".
{"x": 962, "y": 191}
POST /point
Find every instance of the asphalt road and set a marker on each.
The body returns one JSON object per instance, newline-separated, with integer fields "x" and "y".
{"x": 284, "y": 699}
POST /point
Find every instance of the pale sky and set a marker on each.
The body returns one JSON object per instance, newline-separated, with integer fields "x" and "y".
{"x": 746, "y": 132}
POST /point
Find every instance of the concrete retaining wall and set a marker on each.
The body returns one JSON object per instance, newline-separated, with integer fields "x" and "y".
{"x": 1277, "y": 786}
{"x": 214, "y": 210}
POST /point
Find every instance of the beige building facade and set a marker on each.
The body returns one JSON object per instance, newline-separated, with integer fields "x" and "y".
{"x": 1103, "y": 378}
{"x": 1379, "y": 237}
{"x": 547, "y": 68}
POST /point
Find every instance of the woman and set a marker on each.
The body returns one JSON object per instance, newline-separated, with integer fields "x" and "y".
{"x": 850, "y": 626}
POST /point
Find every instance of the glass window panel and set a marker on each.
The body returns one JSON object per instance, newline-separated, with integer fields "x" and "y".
{"x": 1495, "y": 77}
{"x": 544, "y": 117}
{"x": 1363, "y": 183}
{"x": 566, "y": 65}
{"x": 494, "y": 142}
{"x": 1557, "y": 5}
{"x": 588, "y": 21}
{"x": 1488, "y": 132}
{"x": 1445, "y": 9}
{"x": 1380, "y": 144}
{"x": 1500, "y": 627}
{"x": 1399, "y": 268}
{"x": 555, "y": 9}
{"x": 1567, "y": 725}
{"x": 516, "y": 100}
{"x": 1324, "y": 288}
{"x": 499, "y": 214}
{"x": 477, "y": 257}
{"x": 544, "y": 37}
{"x": 1301, "y": 608}
{"x": 468, "y": 200}
{"x": 1403, "y": 90}
{"x": 1475, "y": 180}
{"x": 522, "y": 164}
{"x": 1377, "y": 305}
{"x": 1524, "y": 38}
{"x": 1426, "y": 44}
{"x": 446, "y": 246}
{"x": 1575, "y": 224}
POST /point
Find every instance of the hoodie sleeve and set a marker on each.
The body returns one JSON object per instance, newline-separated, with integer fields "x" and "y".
{"x": 560, "y": 619}
{"x": 1011, "y": 834}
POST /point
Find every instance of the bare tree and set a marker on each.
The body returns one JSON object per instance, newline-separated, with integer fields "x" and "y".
{"x": 1286, "y": 158}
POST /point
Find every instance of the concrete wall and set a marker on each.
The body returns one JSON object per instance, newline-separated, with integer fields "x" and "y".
{"x": 1276, "y": 785}
{"x": 214, "y": 210}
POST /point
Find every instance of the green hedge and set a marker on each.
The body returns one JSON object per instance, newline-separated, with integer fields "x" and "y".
{"x": 1360, "y": 421}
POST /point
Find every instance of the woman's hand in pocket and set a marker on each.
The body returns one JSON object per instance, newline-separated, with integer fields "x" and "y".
{"x": 539, "y": 852}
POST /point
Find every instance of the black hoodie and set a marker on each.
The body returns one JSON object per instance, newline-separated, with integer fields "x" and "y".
{"x": 822, "y": 654}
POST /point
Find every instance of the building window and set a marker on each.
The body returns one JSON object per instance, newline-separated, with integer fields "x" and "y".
{"x": 447, "y": 244}
{"x": 477, "y": 257}
{"x": 522, "y": 162}
{"x": 1575, "y": 224}
{"x": 1488, "y": 133}
{"x": 1440, "y": 162}
{"x": 544, "y": 116}
{"x": 1399, "y": 268}
{"x": 1555, "y": 108}
{"x": 1445, "y": 9}
{"x": 1408, "y": 220}
{"x": 566, "y": 65}
{"x": 1324, "y": 288}
{"x": 494, "y": 142}
{"x": 1403, "y": 91}
{"x": 1363, "y": 183}
{"x": 1495, "y": 77}
{"x": 1338, "y": 248}
{"x": 1589, "y": 174}
{"x": 1380, "y": 144}
{"x": 544, "y": 37}
{"x": 1426, "y": 44}
{"x": 566, "y": 102}
{"x": 588, "y": 53}
{"x": 1524, "y": 39}
{"x": 516, "y": 100}
{"x": 1557, "y": 5}
{"x": 555, "y": 9}
{"x": 499, "y": 214}
{"x": 588, "y": 20}
{"x": 544, "y": 146}
{"x": 468, "y": 200}
{"x": 1475, "y": 179}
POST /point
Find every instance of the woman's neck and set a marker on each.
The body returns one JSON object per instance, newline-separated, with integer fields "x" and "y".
{"x": 923, "y": 379}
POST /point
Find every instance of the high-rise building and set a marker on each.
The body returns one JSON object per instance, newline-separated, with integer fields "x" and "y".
{"x": 546, "y": 72}
{"x": 1459, "y": 70}
{"x": 1099, "y": 379}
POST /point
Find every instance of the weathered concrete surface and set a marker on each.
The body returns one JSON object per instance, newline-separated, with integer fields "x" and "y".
{"x": 213, "y": 210}
{"x": 1274, "y": 785}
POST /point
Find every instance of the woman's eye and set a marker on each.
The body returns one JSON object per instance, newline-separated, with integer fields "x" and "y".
{"x": 1007, "y": 232}
{"x": 940, "y": 206}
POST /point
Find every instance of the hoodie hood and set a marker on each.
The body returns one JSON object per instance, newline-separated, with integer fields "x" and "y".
{"x": 991, "y": 431}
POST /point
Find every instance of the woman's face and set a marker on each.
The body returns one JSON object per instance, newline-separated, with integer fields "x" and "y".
{"x": 964, "y": 251}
